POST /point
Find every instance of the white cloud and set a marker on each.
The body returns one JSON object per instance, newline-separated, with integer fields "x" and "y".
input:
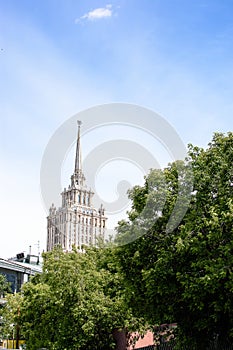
{"x": 98, "y": 13}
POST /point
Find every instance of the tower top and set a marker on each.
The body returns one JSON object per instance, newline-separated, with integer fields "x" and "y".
{"x": 78, "y": 174}
{"x": 78, "y": 157}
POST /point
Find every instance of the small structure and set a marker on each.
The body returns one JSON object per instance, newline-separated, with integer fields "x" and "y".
{"x": 19, "y": 272}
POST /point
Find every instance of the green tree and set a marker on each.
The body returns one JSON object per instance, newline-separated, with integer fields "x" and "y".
{"x": 11, "y": 318}
{"x": 75, "y": 303}
{"x": 185, "y": 275}
{"x": 4, "y": 286}
{"x": 4, "y": 319}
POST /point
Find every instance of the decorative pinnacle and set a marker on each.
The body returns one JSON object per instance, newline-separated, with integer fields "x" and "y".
{"x": 78, "y": 158}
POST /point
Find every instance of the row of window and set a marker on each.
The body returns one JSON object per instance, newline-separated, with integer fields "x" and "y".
{"x": 84, "y": 221}
{"x": 56, "y": 239}
{"x": 83, "y": 198}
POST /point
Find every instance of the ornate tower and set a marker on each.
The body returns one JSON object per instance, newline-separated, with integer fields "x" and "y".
{"x": 76, "y": 222}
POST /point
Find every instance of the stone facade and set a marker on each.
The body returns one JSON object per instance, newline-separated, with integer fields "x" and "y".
{"x": 76, "y": 222}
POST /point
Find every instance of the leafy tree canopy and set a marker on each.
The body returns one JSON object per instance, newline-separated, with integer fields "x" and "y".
{"x": 184, "y": 275}
{"x": 75, "y": 303}
{"x": 4, "y": 289}
{"x": 4, "y": 286}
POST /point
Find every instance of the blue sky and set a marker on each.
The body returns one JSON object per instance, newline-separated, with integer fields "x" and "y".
{"x": 60, "y": 57}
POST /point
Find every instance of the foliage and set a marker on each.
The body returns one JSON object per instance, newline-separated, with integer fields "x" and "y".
{"x": 6, "y": 311}
{"x": 185, "y": 275}
{"x": 4, "y": 286}
{"x": 75, "y": 303}
{"x": 11, "y": 316}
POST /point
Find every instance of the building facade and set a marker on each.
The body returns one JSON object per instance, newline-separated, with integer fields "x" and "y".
{"x": 76, "y": 222}
{"x": 17, "y": 273}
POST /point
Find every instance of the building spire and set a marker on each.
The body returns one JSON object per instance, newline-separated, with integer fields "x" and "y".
{"x": 78, "y": 159}
{"x": 78, "y": 178}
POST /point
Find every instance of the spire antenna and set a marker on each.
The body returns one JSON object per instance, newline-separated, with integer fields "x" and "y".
{"x": 78, "y": 157}
{"x": 78, "y": 178}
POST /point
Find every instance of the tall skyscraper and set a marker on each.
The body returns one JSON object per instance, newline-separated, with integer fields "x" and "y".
{"x": 76, "y": 222}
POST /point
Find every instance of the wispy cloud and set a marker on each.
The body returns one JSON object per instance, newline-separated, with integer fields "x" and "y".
{"x": 96, "y": 14}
